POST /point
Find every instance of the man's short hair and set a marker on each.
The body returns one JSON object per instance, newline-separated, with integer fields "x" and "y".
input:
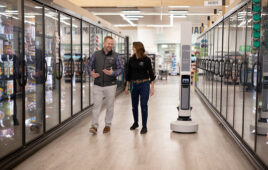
{"x": 108, "y": 37}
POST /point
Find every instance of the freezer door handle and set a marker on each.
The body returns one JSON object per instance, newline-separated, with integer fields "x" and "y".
{"x": 18, "y": 75}
{"x": 25, "y": 77}
{"x": 255, "y": 86}
{"x": 233, "y": 76}
{"x": 240, "y": 73}
{"x": 46, "y": 70}
{"x": 61, "y": 69}
{"x": 72, "y": 67}
{"x": 245, "y": 80}
{"x": 212, "y": 66}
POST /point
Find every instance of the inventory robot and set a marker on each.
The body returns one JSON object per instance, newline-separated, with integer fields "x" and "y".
{"x": 184, "y": 123}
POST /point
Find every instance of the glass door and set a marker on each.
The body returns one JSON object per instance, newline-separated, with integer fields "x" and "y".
{"x": 240, "y": 57}
{"x": 262, "y": 115}
{"x": 10, "y": 76}
{"x": 226, "y": 66}
{"x": 93, "y": 47}
{"x": 86, "y": 76}
{"x": 251, "y": 62}
{"x": 65, "y": 62}
{"x": 52, "y": 84}
{"x": 77, "y": 60}
{"x": 99, "y": 39}
{"x": 34, "y": 63}
{"x": 220, "y": 65}
{"x": 233, "y": 69}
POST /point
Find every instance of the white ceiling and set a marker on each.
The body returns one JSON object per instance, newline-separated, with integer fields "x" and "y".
{"x": 154, "y": 15}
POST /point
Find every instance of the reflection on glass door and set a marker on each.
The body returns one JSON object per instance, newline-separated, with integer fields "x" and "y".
{"x": 34, "y": 61}
{"x": 65, "y": 55}
{"x": 233, "y": 69}
{"x": 93, "y": 46}
{"x": 10, "y": 77}
{"x": 77, "y": 61}
{"x": 250, "y": 91}
{"x": 262, "y": 114}
{"x": 86, "y": 77}
{"x": 52, "y": 68}
{"x": 226, "y": 66}
{"x": 99, "y": 39}
{"x": 240, "y": 57}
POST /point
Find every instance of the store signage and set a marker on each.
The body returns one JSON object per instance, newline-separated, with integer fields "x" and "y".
{"x": 243, "y": 48}
{"x": 213, "y": 3}
{"x": 196, "y": 30}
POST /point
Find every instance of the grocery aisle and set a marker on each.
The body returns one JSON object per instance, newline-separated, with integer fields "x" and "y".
{"x": 210, "y": 148}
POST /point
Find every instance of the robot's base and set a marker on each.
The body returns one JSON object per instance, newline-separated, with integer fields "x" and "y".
{"x": 184, "y": 126}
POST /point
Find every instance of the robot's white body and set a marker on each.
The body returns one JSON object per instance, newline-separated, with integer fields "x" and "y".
{"x": 184, "y": 124}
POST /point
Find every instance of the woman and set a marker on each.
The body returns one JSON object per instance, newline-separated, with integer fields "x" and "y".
{"x": 139, "y": 78}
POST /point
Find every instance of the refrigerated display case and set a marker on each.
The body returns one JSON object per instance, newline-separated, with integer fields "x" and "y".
{"x": 45, "y": 87}
{"x": 239, "y": 85}
{"x": 34, "y": 63}
{"x": 65, "y": 61}
{"x": 10, "y": 83}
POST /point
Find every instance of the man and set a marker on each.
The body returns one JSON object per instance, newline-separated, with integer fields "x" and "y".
{"x": 104, "y": 66}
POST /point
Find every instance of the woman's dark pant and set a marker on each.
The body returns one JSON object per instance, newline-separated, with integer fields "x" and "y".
{"x": 140, "y": 90}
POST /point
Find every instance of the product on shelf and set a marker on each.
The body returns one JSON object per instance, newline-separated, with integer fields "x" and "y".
{"x": 9, "y": 90}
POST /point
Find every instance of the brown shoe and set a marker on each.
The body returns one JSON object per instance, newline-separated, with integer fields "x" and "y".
{"x": 106, "y": 129}
{"x": 93, "y": 130}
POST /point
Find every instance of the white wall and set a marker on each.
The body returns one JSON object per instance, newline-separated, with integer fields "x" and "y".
{"x": 181, "y": 32}
{"x": 169, "y": 35}
{"x": 147, "y": 37}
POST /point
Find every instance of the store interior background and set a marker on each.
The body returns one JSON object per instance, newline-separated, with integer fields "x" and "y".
{"x": 162, "y": 26}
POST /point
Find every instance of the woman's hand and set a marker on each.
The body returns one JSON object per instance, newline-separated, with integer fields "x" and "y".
{"x": 151, "y": 91}
{"x": 126, "y": 90}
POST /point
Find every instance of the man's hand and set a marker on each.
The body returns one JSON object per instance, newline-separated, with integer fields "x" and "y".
{"x": 94, "y": 75}
{"x": 108, "y": 72}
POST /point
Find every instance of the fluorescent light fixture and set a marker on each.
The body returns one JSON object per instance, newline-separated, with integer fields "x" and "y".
{"x": 38, "y": 7}
{"x": 122, "y": 25}
{"x": 126, "y": 19}
{"x": 179, "y": 16}
{"x": 11, "y": 11}
{"x": 2, "y": 6}
{"x": 178, "y": 12}
{"x": 178, "y": 6}
{"x": 200, "y": 14}
{"x": 131, "y": 12}
{"x": 30, "y": 16}
{"x": 134, "y": 16}
{"x": 158, "y": 26}
{"x": 133, "y": 19}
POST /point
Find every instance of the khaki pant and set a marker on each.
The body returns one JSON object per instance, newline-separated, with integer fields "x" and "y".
{"x": 108, "y": 93}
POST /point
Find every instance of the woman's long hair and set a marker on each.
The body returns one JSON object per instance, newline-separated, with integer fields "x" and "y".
{"x": 139, "y": 50}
